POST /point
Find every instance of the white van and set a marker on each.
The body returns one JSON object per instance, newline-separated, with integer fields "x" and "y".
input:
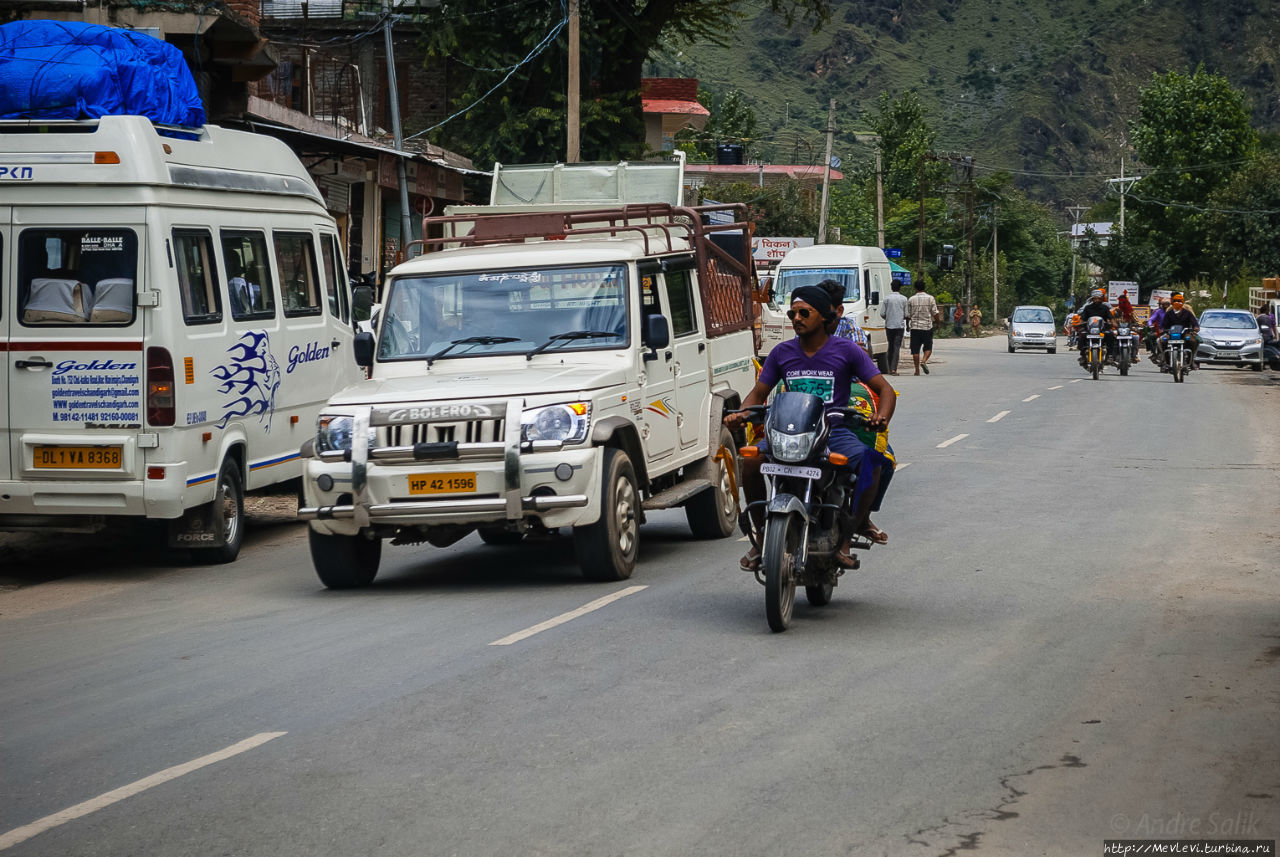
{"x": 174, "y": 311}
{"x": 865, "y": 274}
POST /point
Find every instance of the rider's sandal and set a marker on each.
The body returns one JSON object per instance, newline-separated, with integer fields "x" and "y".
{"x": 750, "y": 562}
{"x": 876, "y": 534}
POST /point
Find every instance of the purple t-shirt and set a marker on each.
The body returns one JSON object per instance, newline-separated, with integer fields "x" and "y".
{"x": 829, "y": 374}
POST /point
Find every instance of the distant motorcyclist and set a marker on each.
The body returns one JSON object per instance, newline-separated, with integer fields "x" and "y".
{"x": 1152, "y": 333}
{"x": 1096, "y": 308}
{"x": 1180, "y": 314}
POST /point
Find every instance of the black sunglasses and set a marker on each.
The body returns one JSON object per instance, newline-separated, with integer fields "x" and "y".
{"x": 803, "y": 313}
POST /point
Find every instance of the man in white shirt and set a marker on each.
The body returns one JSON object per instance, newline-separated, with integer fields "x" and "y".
{"x": 922, "y": 314}
{"x": 894, "y": 310}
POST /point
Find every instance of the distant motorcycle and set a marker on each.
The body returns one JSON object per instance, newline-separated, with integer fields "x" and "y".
{"x": 1177, "y": 353}
{"x": 1124, "y": 356}
{"x": 1095, "y": 348}
{"x": 809, "y": 503}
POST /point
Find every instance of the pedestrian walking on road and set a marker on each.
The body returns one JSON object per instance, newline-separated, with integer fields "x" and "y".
{"x": 957, "y": 320}
{"x": 894, "y": 310}
{"x": 975, "y": 320}
{"x": 922, "y": 315}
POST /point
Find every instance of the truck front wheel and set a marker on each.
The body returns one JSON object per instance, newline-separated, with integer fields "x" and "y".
{"x": 713, "y": 514}
{"x": 607, "y": 549}
{"x": 344, "y": 562}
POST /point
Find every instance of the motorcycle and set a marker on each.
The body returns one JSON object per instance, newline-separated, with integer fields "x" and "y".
{"x": 809, "y": 503}
{"x": 1177, "y": 354}
{"x": 1095, "y": 350}
{"x": 1124, "y": 347}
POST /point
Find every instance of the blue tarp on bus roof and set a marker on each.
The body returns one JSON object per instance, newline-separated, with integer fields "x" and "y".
{"x": 69, "y": 70}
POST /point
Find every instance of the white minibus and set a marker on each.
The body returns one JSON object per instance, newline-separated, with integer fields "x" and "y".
{"x": 174, "y": 310}
{"x": 863, "y": 271}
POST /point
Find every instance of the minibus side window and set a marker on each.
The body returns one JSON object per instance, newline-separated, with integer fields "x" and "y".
{"x": 299, "y": 279}
{"x": 335, "y": 281}
{"x": 197, "y": 276}
{"x": 249, "y": 285}
{"x": 84, "y": 276}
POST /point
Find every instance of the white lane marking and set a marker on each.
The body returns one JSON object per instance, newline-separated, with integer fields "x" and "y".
{"x": 1076, "y": 380}
{"x": 998, "y": 417}
{"x": 1059, "y": 387}
{"x": 22, "y": 834}
{"x": 955, "y": 439}
{"x": 1031, "y": 398}
{"x": 744, "y": 539}
{"x": 903, "y": 466}
{"x": 567, "y": 617}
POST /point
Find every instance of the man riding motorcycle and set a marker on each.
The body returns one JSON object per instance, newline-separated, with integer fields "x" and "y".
{"x": 1152, "y": 332}
{"x": 816, "y": 362}
{"x": 1096, "y": 308}
{"x": 1179, "y": 313}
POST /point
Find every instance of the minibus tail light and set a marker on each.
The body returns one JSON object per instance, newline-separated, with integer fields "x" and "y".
{"x": 161, "y": 404}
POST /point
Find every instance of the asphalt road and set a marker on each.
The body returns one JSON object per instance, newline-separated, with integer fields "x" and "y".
{"x": 1073, "y": 635}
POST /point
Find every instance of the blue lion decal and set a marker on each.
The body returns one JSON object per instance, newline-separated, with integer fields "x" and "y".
{"x": 252, "y": 376}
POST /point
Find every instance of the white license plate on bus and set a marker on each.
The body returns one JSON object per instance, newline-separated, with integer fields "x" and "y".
{"x": 772, "y": 469}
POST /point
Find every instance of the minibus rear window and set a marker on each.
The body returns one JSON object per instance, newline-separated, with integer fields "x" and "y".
{"x": 299, "y": 276}
{"x": 249, "y": 284}
{"x": 77, "y": 276}
{"x": 197, "y": 276}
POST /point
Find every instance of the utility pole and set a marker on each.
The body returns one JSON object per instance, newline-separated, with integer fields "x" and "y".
{"x": 826, "y": 174}
{"x": 1123, "y": 184}
{"x": 571, "y": 155}
{"x": 862, "y": 137}
{"x": 995, "y": 261}
{"x": 406, "y": 231}
{"x": 920, "y": 236}
{"x": 1076, "y": 211}
{"x": 969, "y": 225}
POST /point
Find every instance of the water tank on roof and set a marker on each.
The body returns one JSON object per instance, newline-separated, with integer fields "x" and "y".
{"x": 730, "y": 153}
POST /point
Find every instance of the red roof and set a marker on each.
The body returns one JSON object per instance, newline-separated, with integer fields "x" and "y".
{"x": 671, "y": 95}
{"x": 794, "y": 171}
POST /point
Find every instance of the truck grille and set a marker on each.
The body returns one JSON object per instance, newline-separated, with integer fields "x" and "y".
{"x": 469, "y": 431}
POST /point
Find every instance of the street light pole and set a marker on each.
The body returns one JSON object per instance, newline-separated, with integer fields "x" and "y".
{"x": 826, "y": 174}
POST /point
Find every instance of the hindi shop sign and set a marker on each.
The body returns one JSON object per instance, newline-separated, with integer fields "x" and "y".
{"x": 771, "y": 250}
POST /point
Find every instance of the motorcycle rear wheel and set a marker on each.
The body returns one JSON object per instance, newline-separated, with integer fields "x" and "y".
{"x": 781, "y": 546}
{"x": 819, "y": 595}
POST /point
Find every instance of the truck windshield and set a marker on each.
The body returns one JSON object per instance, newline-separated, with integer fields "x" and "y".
{"x": 483, "y": 313}
{"x": 790, "y": 279}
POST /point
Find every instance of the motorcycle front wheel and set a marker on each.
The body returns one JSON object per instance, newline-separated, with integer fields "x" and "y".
{"x": 1095, "y": 363}
{"x": 782, "y": 537}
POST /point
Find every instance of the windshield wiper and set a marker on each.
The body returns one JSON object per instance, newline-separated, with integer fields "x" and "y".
{"x": 566, "y": 337}
{"x": 470, "y": 340}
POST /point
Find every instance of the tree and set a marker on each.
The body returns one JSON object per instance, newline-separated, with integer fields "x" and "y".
{"x": 733, "y": 120}
{"x": 524, "y": 119}
{"x": 906, "y": 142}
{"x": 1244, "y": 219}
{"x": 1134, "y": 259}
{"x": 781, "y": 209}
{"x": 1192, "y": 132}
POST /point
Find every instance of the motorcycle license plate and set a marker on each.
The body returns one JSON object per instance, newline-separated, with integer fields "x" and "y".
{"x": 771, "y": 469}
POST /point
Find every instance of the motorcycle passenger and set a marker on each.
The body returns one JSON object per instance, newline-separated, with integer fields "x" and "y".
{"x": 1152, "y": 333}
{"x": 1096, "y": 308}
{"x": 1178, "y": 313}
{"x": 826, "y": 366}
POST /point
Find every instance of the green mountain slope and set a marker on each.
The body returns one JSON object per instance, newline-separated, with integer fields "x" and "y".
{"x": 1044, "y": 89}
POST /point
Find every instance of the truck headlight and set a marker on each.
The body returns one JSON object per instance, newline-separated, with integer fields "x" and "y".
{"x": 334, "y": 433}
{"x": 565, "y": 423}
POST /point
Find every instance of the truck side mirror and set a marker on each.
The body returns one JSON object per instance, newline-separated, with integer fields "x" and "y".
{"x": 363, "y": 348}
{"x": 657, "y": 334}
{"x": 361, "y": 301}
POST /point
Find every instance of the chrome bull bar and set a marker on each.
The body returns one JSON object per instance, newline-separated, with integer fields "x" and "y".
{"x": 511, "y": 504}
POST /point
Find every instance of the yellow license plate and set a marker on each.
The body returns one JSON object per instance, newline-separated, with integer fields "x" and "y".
{"x": 442, "y": 483}
{"x": 76, "y": 457}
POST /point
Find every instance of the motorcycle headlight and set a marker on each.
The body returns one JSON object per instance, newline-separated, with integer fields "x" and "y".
{"x": 334, "y": 433}
{"x": 566, "y": 423}
{"x": 790, "y": 447}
